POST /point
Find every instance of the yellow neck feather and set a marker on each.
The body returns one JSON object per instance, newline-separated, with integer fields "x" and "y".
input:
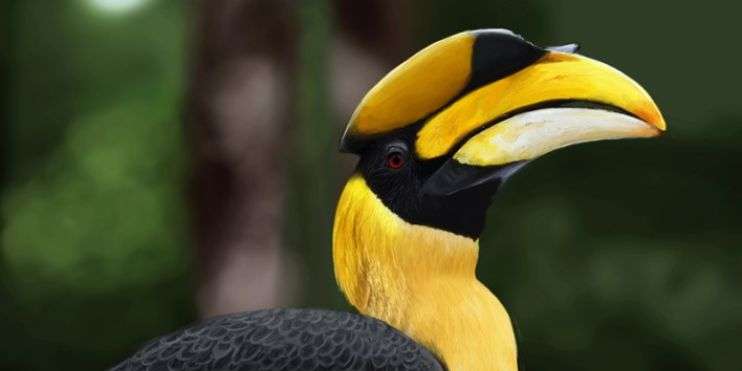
{"x": 422, "y": 281}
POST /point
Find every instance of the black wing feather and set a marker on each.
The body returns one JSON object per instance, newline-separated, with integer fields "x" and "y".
{"x": 284, "y": 339}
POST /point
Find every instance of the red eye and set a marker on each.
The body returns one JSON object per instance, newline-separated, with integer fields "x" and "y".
{"x": 394, "y": 160}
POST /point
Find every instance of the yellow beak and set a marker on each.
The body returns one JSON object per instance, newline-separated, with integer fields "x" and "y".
{"x": 560, "y": 100}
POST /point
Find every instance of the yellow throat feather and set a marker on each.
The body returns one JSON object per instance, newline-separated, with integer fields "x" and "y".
{"x": 422, "y": 281}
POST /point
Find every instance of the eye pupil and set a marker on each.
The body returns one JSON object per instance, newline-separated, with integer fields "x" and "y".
{"x": 394, "y": 160}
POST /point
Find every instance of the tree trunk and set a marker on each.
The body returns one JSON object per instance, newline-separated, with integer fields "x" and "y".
{"x": 239, "y": 106}
{"x": 244, "y": 91}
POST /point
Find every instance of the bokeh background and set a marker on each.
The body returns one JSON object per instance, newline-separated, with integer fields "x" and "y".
{"x": 164, "y": 161}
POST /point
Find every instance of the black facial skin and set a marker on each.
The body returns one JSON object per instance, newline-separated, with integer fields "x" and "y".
{"x": 462, "y": 213}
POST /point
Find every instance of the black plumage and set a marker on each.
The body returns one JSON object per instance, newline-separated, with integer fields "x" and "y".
{"x": 284, "y": 339}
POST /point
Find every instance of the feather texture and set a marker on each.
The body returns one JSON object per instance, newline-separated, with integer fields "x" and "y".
{"x": 284, "y": 339}
{"x": 422, "y": 281}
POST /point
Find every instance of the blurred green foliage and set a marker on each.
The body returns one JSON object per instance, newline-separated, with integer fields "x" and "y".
{"x": 611, "y": 256}
{"x": 95, "y": 253}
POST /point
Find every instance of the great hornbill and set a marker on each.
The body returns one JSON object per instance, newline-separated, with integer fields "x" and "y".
{"x": 436, "y": 137}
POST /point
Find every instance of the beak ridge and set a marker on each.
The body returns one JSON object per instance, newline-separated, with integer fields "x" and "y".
{"x": 566, "y": 48}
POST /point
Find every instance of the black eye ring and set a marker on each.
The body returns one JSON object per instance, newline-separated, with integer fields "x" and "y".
{"x": 396, "y": 156}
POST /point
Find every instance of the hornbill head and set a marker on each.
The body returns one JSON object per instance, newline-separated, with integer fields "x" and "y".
{"x": 442, "y": 131}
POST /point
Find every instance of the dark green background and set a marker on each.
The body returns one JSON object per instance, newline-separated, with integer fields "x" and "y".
{"x": 610, "y": 256}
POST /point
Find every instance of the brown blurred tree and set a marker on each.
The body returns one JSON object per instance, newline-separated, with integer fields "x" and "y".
{"x": 240, "y": 106}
